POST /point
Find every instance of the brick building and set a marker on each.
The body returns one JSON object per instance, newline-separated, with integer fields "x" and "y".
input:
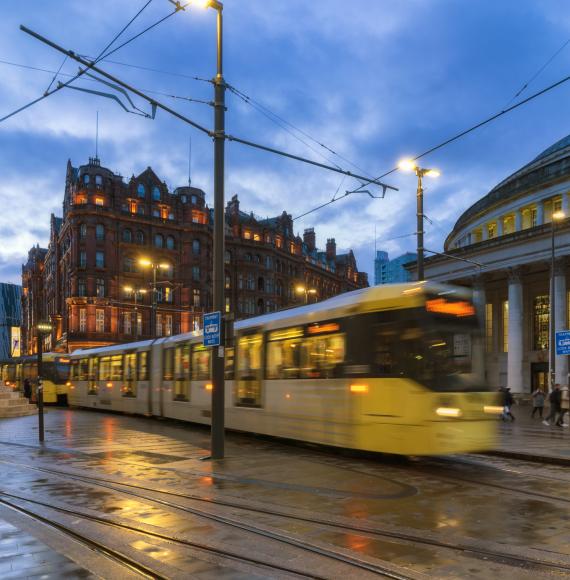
{"x": 86, "y": 281}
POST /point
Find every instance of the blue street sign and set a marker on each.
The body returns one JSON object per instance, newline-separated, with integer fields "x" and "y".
{"x": 563, "y": 342}
{"x": 212, "y": 329}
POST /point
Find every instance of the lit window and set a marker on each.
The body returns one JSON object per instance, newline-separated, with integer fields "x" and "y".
{"x": 158, "y": 325}
{"x": 100, "y": 287}
{"x": 141, "y": 191}
{"x": 168, "y": 325}
{"x": 127, "y": 323}
{"x": 541, "y": 309}
{"x": 489, "y": 327}
{"x": 227, "y": 303}
{"x": 505, "y": 326}
{"x": 256, "y": 238}
{"x": 492, "y": 230}
{"x": 82, "y": 320}
{"x": 247, "y": 235}
{"x": 99, "y": 320}
{"x": 100, "y": 201}
{"x": 196, "y": 297}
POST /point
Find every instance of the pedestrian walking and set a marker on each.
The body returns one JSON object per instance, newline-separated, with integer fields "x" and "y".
{"x": 507, "y": 404}
{"x": 564, "y": 406}
{"x": 27, "y": 389}
{"x": 537, "y": 402}
{"x": 555, "y": 399}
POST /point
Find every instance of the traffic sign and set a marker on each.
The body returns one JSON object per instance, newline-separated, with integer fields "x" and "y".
{"x": 212, "y": 329}
{"x": 563, "y": 342}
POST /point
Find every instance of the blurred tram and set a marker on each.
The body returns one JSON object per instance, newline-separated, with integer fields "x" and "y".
{"x": 391, "y": 368}
{"x": 55, "y": 371}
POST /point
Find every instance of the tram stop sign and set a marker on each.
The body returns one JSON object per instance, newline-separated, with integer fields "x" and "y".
{"x": 563, "y": 342}
{"x": 213, "y": 329}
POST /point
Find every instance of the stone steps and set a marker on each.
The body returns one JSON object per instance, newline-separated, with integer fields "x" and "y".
{"x": 14, "y": 404}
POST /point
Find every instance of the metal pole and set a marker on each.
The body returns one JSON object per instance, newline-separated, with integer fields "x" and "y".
{"x": 552, "y": 315}
{"x": 153, "y": 309}
{"x": 40, "y": 390}
{"x": 420, "y": 225}
{"x": 136, "y": 317}
{"x": 218, "y": 379}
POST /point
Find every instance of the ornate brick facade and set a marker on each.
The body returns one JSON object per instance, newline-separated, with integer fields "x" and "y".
{"x": 109, "y": 224}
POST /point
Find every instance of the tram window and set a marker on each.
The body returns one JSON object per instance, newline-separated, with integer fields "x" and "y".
{"x": 200, "y": 363}
{"x": 117, "y": 367}
{"x": 322, "y": 356}
{"x": 249, "y": 370}
{"x": 105, "y": 368}
{"x": 74, "y": 370}
{"x": 229, "y": 363}
{"x": 93, "y": 389}
{"x": 167, "y": 363}
{"x": 283, "y": 353}
{"x": 130, "y": 379}
{"x": 142, "y": 366}
{"x": 82, "y": 369}
{"x": 182, "y": 373}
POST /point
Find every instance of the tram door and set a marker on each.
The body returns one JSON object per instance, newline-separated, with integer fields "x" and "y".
{"x": 539, "y": 376}
{"x": 249, "y": 370}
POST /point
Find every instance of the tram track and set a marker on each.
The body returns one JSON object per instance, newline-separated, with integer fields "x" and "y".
{"x": 476, "y": 549}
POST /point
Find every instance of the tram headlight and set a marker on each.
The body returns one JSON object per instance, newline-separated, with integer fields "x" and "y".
{"x": 493, "y": 410}
{"x": 109, "y": 385}
{"x": 452, "y": 412}
{"x": 359, "y": 389}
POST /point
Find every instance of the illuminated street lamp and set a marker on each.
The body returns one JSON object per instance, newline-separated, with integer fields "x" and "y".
{"x": 146, "y": 263}
{"x": 557, "y": 216}
{"x": 306, "y": 291}
{"x": 409, "y": 165}
{"x": 135, "y": 293}
{"x": 42, "y": 329}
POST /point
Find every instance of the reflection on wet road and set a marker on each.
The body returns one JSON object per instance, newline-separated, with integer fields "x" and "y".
{"x": 282, "y": 511}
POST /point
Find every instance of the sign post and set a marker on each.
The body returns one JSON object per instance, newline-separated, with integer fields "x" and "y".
{"x": 213, "y": 329}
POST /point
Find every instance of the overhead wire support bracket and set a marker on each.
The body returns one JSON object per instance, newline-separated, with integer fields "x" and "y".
{"x": 157, "y": 104}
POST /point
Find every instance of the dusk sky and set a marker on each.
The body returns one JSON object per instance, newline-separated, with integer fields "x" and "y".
{"x": 372, "y": 80}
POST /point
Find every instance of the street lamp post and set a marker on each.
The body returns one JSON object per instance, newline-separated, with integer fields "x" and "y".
{"x": 306, "y": 291}
{"x": 146, "y": 263}
{"x": 407, "y": 165}
{"x": 135, "y": 293}
{"x": 556, "y": 217}
{"x": 42, "y": 329}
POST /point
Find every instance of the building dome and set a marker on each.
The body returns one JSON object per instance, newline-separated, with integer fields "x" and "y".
{"x": 513, "y": 203}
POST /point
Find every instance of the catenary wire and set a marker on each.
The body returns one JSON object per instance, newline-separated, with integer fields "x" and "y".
{"x": 102, "y": 55}
{"x": 457, "y": 136}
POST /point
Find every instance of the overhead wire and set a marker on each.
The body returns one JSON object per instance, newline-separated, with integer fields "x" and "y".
{"x": 101, "y": 55}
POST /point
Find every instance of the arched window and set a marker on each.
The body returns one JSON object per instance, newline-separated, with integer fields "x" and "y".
{"x": 86, "y": 179}
{"x": 140, "y": 237}
{"x": 170, "y": 243}
{"x": 82, "y": 231}
{"x": 228, "y": 257}
{"x": 155, "y": 193}
{"x": 260, "y": 284}
{"x": 100, "y": 232}
{"x": 196, "y": 247}
{"x": 158, "y": 241}
{"x": 141, "y": 191}
{"x": 257, "y": 259}
{"x": 99, "y": 180}
{"x": 127, "y": 236}
{"x": 129, "y": 265}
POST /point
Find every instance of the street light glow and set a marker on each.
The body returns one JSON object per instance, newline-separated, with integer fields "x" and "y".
{"x": 407, "y": 165}
{"x": 433, "y": 173}
{"x": 558, "y": 215}
{"x": 300, "y": 289}
{"x": 128, "y": 288}
{"x": 201, "y": 3}
{"x": 145, "y": 262}
{"x": 164, "y": 266}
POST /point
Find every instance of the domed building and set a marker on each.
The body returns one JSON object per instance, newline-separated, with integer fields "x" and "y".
{"x": 502, "y": 246}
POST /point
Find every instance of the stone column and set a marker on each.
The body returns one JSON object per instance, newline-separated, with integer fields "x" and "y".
{"x": 515, "y": 354}
{"x": 539, "y": 213}
{"x": 484, "y": 232}
{"x": 478, "y": 345}
{"x": 560, "y": 317}
{"x": 500, "y": 226}
{"x": 518, "y": 220}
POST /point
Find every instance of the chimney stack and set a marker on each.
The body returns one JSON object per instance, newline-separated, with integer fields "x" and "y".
{"x": 310, "y": 239}
{"x": 331, "y": 249}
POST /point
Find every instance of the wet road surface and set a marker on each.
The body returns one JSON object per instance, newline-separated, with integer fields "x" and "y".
{"x": 127, "y": 497}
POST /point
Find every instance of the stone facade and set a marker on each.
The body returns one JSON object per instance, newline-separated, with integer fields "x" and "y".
{"x": 109, "y": 224}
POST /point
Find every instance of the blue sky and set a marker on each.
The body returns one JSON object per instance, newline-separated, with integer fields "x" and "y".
{"x": 372, "y": 80}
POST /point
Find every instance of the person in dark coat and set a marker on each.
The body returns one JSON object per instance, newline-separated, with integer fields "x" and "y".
{"x": 507, "y": 404}
{"x": 555, "y": 399}
{"x": 538, "y": 399}
{"x": 27, "y": 389}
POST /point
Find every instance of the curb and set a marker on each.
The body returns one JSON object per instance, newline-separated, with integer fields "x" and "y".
{"x": 544, "y": 459}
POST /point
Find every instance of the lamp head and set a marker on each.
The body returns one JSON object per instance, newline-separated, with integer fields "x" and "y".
{"x": 300, "y": 289}
{"x": 558, "y": 215}
{"x": 407, "y": 165}
{"x": 145, "y": 262}
{"x": 164, "y": 266}
{"x": 44, "y": 327}
{"x": 312, "y": 291}
{"x": 432, "y": 172}
{"x": 142, "y": 291}
{"x": 128, "y": 289}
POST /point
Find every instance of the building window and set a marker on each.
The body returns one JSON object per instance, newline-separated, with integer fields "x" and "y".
{"x": 196, "y": 273}
{"x": 100, "y": 201}
{"x": 533, "y": 217}
{"x": 82, "y": 231}
{"x": 505, "y": 326}
{"x": 99, "y": 180}
{"x": 155, "y": 193}
{"x": 541, "y": 310}
{"x": 83, "y": 259}
{"x": 170, "y": 243}
{"x": 508, "y": 224}
{"x": 227, "y": 256}
{"x": 184, "y": 198}
{"x": 489, "y": 327}
{"x": 558, "y": 204}
{"x": 155, "y": 212}
{"x": 492, "y": 230}
{"x": 139, "y": 324}
{"x": 158, "y": 241}
{"x": 194, "y": 200}
{"x": 99, "y": 259}
{"x": 127, "y": 329}
{"x": 81, "y": 288}
{"x": 127, "y": 236}
{"x": 168, "y": 325}
{"x": 141, "y": 191}
{"x": 140, "y": 238}
{"x": 228, "y": 283}
{"x": 140, "y": 209}
{"x": 100, "y": 287}
{"x": 196, "y": 247}
{"x": 82, "y": 320}
{"x": 227, "y": 303}
{"x": 86, "y": 179}
{"x": 196, "y": 297}
{"x": 256, "y": 237}
{"x": 158, "y": 325}
{"x": 99, "y": 320}
{"x": 167, "y": 294}
{"x": 99, "y": 232}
